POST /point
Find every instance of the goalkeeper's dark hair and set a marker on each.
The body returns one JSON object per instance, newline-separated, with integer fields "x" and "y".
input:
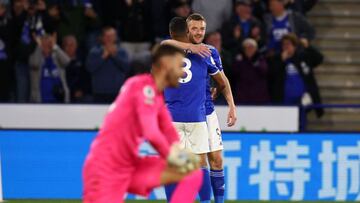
{"x": 178, "y": 27}
{"x": 164, "y": 50}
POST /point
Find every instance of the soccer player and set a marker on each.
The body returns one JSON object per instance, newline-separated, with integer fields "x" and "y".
{"x": 196, "y": 25}
{"x": 113, "y": 166}
{"x": 187, "y": 103}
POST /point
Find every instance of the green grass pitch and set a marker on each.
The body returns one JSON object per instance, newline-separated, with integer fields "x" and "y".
{"x": 138, "y": 201}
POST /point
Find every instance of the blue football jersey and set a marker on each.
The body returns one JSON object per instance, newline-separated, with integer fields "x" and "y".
{"x": 187, "y": 102}
{"x": 215, "y": 56}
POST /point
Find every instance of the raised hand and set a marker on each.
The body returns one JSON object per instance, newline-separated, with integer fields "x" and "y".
{"x": 200, "y": 49}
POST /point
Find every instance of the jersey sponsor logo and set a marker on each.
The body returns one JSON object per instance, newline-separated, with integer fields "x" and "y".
{"x": 149, "y": 94}
{"x": 291, "y": 69}
{"x": 187, "y": 72}
{"x": 279, "y": 33}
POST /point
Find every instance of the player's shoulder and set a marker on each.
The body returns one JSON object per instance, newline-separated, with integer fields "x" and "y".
{"x": 143, "y": 87}
{"x": 214, "y": 52}
{"x": 139, "y": 82}
{"x": 212, "y": 48}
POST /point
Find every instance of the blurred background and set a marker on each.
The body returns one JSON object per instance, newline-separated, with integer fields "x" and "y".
{"x": 293, "y": 66}
{"x": 52, "y": 51}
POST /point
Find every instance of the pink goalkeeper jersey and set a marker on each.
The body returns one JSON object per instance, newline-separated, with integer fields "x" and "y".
{"x": 138, "y": 114}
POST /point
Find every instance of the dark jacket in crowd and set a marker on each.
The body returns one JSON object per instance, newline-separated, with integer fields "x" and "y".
{"x": 107, "y": 75}
{"x": 6, "y": 58}
{"x": 305, "y": 61}
{"x": 298, "y": 24}
{"x": 227, "y": 32}
{"x": 260, "y": 8}
{"x": 24, "y": 28}
{"x": 250, "y": 80}
{"x": 78, "y": 80}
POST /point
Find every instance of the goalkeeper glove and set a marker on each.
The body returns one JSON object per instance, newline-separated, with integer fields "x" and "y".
{"x": 183, "y": 159}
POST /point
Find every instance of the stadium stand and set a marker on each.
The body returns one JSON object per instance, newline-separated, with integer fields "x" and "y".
{"x": 338, "y": 32}
{"x": 336, "y": 24}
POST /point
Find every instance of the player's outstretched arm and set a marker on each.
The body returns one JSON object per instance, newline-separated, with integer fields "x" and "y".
{"x": 199, "y": 49}
{"x": 231, "y": 118}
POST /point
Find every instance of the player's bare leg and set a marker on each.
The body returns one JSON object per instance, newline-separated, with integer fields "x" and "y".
{"x": 217, "y": 175}
{"x": 215, "y": 160}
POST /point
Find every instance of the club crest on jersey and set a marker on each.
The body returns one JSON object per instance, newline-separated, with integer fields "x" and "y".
{"x": 149, "y": 94}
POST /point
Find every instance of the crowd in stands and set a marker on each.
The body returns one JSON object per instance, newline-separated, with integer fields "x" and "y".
{"x": 81, "y": 51}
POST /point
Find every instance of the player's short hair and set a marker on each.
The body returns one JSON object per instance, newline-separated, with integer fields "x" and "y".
{"x": 178, "y": 27}
{"x": 164, "y": 50}
{"x": 292, "y": 38}
{"x": 195, "y": 17}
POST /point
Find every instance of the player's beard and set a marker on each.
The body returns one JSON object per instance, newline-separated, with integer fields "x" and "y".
{"x": 193, "y": 40}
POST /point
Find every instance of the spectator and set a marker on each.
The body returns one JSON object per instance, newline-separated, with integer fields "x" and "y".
{"x": 250, "y": 73}
{"x": 78, "y": 79}
{"x": 27, "y": 24}
{"x": 48, "y": 78}
{"x": 136, "y": 29}
{"x": 6, "y": 60}
{"x": 215, "y": 40}
{"x": 180, "y": 8}
{"x": 292, "y": 74}
{"x": 281, "y": 22}
{"x": 108, "y": 66}
{"x": 92, "y": 23}
{"x": 215, "y": 13}
{"x": 241, "y": 26}
{"x": 176, "y": 8}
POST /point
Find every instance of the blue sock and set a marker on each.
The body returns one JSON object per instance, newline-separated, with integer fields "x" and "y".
{"x": 218, "y": 185}
{"x": 169, "y": 190}
{"x": 205, "y": 190}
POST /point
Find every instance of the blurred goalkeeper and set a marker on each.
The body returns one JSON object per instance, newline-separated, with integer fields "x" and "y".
{"x": 113, "y": 166}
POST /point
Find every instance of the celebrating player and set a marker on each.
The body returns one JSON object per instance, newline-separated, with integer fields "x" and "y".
{"x": 197, "y": 25}
{"x": 113, "y": 166}
{"x": 187, "y": 103}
